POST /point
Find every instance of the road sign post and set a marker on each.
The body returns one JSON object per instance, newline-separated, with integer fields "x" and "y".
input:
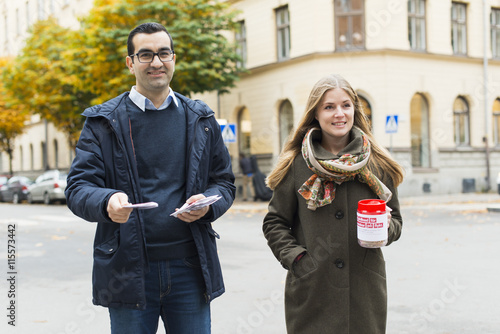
{"x": 228, "y": 133}
{"x": 391, "y": 126}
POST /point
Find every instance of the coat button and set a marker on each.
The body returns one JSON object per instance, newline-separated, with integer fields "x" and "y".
{"x": 339, "y": 214}
{"x": 206, "y": 129}
{"x": 339, "y": 263}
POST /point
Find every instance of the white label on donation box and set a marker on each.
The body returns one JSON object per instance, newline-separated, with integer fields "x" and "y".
{"x": 372, "y": 227}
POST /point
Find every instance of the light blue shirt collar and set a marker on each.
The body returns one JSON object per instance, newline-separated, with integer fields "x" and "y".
{"x": 144, "y": 103}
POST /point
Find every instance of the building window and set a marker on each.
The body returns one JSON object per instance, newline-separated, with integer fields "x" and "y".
{"x": 244, "y": 130}
{"x": 241, "y": 44}
{"x": 283, "y": 31}
{"x": 44, "y": 160}
{"x": 349, "y": 24}
{"x": 21, "y": 156}
{"x": 367, "y": 109}
{"x": 6, "y": 31}
{"x": 496, "y": 122}
{"x": 41, "y": 9}
{"x": 32, "y": 158}
{"x": 56, "y": 154}
{"x": 285, "y": 122}
{"x": 459, "y": 28}
{"x": 495, "y": 32}
{"x": 416, "y": 24}
{"x": 461, "y": 119}
{"x": 27, "y": 15}
{"x": 18, "y": 23}
{"x": 420, "y": 134}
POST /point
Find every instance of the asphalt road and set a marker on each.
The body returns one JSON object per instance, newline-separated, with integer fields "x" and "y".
{"x": 442, "y": 273}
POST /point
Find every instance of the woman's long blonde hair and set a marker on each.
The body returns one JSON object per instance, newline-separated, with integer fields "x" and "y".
{"x": 380, "y": 159}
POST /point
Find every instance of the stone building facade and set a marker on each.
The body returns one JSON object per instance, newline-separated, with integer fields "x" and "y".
{"x": 434, "y": 64}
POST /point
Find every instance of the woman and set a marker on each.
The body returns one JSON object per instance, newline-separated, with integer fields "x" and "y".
{"x": 333, "y": 284}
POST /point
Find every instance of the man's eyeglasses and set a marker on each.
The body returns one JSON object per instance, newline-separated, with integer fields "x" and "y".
{"x": 148, "y": 56}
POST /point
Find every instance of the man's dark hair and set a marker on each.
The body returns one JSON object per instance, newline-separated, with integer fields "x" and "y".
{"x": 146, "y": 28}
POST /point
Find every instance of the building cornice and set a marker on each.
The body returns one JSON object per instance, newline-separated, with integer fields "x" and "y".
{"x": 368, "y": 53}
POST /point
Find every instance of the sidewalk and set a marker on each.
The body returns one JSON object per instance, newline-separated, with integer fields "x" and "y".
{"x": 458, "y": 198}
{"x": 487, "y": 200}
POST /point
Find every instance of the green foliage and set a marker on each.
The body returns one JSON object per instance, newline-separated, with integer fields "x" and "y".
{"x": 205, "y": 60}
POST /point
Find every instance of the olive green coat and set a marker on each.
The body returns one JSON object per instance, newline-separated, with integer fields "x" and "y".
{"x": 337, "y": 287}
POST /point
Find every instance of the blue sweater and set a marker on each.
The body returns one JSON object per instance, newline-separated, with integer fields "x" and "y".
{"x": 159, "y": 139}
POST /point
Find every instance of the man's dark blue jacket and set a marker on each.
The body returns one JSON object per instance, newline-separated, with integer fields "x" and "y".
{"x": 105, "y": 164}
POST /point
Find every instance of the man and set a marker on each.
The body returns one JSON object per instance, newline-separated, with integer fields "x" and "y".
{"x": 152, "y": 145}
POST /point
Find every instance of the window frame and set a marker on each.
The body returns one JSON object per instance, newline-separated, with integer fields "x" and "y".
{"x": 350, "y": 14}
{"x": 244, "y": 138}
{"x": 240, "y": 37}
{"x": 6, "y": 31}
{"x": 459, "y": 25}
{"x": 495, "y": 32}
{"x": 496, "y": 122}
{"x": 41, "y": 10}
{"x": 285, "y": 121}
{"x": 459, "y": 115}
{"x": 27, "y": 13}
{"x": 420, "y": 147}
{"x": 416, "y": 43}
{"x": 283, "y": 29}
{"x": 367, "y": 108}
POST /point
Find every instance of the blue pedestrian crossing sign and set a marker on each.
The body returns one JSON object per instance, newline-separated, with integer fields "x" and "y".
{"x": 228, "y": 133}
{"x": 391, "y": 124}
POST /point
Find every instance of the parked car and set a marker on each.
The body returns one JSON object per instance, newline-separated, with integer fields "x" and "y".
{"x": 48, "y": 188}
{"x": 16, "y": 189}
{"x": 3, "y": 183}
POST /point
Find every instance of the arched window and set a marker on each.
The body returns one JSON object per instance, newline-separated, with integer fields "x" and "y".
{"x": 285, "y": 121}
{"x": 367, "y": 109}
{"x": 461, "y": 120}
{"x": 496, "y": 122}
{"x": 244, "y": 131}
{"x": 420, "y": 139}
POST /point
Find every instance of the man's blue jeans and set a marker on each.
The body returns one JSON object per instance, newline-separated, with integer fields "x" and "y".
{"x": 175, "y": 291}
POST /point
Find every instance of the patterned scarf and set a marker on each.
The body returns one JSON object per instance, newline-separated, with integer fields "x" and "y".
{"x": 319, "y": 189}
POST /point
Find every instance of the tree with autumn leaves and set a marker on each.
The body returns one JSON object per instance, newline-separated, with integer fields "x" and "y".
{"x": 61, "y": 71}
{"x": 12, "y": 116}
{"x": 39, "y": 80}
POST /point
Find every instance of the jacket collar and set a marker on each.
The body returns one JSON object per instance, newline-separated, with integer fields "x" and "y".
{"x": 107, "y": 108}
{"x": 197, "y": 106}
